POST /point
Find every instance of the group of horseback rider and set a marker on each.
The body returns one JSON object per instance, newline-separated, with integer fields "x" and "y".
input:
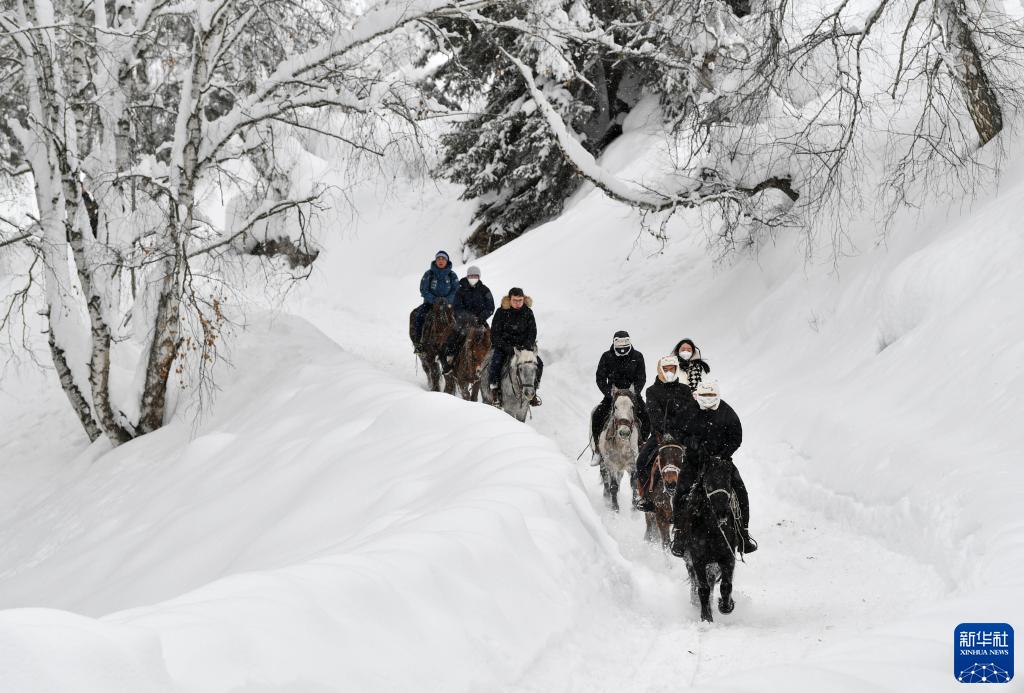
{"x": 683, "y": 403}
{"x": 514, "y": 326}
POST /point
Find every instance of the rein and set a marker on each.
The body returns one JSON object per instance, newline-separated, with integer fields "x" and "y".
{"x": 719, "y": 523}
{"x": 659, "y": 468}
{"x": 614, "y": 422}
{"x": 517, "y": 379}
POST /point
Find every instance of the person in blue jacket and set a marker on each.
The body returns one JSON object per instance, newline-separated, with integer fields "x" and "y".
{"x": 439, "y": 283}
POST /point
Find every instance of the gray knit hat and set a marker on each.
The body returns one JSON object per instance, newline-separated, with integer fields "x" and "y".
{"x": 473, "y": 270}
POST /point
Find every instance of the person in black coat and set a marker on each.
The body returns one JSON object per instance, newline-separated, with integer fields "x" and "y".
{"x": 673, "y": 411}
{"x": 623, "y": 367}
{"x": 718, "y": 434}
{"x": 690, "y": 362}
{"x": 514, "y": 327}
{"x": 473, "y": 305}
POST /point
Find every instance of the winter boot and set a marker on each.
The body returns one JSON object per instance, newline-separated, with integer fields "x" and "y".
{"x": 496, "y": 395}
{"x": 749, "y": 545}
{"x": 595, "y": 459}
{"x": 678, "y": 545}
{"x": 446, "y": 365}
{"x": 535, "y": 402}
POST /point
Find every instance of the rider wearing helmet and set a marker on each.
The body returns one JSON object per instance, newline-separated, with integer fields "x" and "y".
{"x": 673, "y": 411}
{"x": 622, "y": 367}
{"x": 718, "y": 434}
{"x": 692, "y": 366}
{"x": 514, "y": 327}
{"x": 473, "y": 304}
{"x": 439, "y": 283}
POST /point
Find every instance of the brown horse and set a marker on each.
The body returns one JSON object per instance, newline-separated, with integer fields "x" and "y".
{"x": 660, "y": 489}
{"x": 439, "y": 323}
{"x": 470, "y": 360}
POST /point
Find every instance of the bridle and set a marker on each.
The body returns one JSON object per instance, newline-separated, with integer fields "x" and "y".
{"x": 518, "y": 378}
{"x": 733, "y": 510}
{"x": 662, "y": 468}
{"x": 617, "y": 422}
{"x": 473, "y": 377}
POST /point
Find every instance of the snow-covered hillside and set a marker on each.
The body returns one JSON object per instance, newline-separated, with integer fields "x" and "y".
{"x": 329, "y": 526}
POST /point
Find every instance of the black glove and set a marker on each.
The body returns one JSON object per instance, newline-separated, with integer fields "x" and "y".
{"x": 691, "y": 443}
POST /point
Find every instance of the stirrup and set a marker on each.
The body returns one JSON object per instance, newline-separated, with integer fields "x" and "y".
{"x": 749, "y": 545}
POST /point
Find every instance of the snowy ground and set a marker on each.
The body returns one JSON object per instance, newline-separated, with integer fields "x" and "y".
{"x": 330, "y": 526}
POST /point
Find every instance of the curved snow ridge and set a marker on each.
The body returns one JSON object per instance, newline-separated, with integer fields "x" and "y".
{"x": 330, "y": 528}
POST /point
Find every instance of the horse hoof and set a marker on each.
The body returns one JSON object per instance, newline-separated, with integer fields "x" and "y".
{"x": 726, "y": 607}
{"x": 705, "y": 615}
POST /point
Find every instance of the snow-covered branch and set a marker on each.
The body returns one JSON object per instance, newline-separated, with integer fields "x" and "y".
{"x": 705, "y": 189}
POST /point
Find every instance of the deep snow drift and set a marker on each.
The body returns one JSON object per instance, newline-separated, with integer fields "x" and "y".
{"x": 330, "y": 526}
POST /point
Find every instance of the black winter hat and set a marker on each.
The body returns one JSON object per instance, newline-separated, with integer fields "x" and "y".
{"x": 620, "y": 333}
{"x": 515, "y": 291}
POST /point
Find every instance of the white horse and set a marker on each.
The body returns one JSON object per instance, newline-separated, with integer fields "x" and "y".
{"x": 518, "y": 382}
{"x": 618, "y": 444}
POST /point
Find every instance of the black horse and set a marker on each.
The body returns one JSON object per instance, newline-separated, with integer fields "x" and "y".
{"x": 707, "y": 515}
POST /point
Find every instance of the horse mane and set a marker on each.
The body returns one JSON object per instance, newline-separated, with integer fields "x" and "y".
{"x": 440, "y": 319}
{"x": 625, "y": 392}
{"x": 525, "y": 355}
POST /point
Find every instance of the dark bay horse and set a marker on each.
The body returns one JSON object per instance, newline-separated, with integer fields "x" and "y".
{"x": 437, "y": 327}
{"x": 707, "y": 516}
{"x": 470, "y": 360}
{"x": 661, "y": 488}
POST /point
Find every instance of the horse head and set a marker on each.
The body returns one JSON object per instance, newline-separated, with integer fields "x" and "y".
{"x": 438, "y": 324}
{"x": 623, "y": 413}
{"x": 670, "y": 457}
{"x": 477, "y": 344}
{"x": 524, "y": 368}
{"x": 716, "y": 480}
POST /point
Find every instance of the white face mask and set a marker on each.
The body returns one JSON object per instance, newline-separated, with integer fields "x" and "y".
{"x": 473, "y": 280}
{"x": 685, "y": 355}
{"x": 670, "y": 376}
{"x": 708, "y": 401}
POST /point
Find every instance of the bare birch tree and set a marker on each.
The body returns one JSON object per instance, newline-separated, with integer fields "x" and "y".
{"x": 120, "y": 113}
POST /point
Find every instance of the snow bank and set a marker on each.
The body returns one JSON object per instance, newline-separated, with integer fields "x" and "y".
{"x": 879, "y": 394}
{"x": 329, "y": 528}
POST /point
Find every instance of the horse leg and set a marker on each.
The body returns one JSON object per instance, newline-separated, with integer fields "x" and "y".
{"x": 433, "y": 373}
{"x": 449, "y": 384}
{"x": 606, "y": 484}
{"x": 700, "y": 569}
{"x": 613, "y": 488}
{"x": 651, "y": 523}
{"x": 725, "y": 601}
{"x": 664, "y": 527}
{"x": 692, "y": 574}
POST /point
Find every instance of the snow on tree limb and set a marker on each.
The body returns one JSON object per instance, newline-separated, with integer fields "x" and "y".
{"x": 621, "y": 191}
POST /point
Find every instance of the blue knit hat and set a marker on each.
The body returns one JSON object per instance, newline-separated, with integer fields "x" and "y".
{"x": 442, "y": 253}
